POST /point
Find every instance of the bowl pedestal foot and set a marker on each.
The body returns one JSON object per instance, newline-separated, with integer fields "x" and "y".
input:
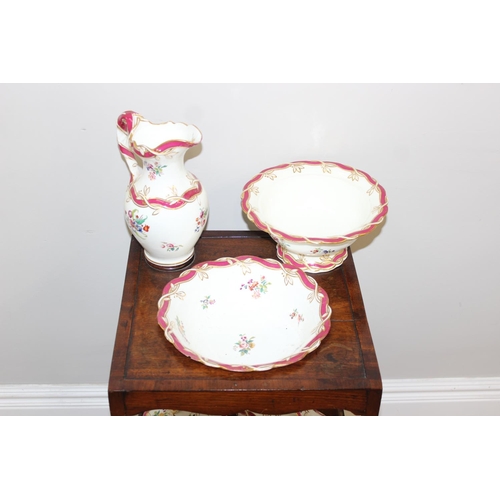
{"x": 312, "y": 263}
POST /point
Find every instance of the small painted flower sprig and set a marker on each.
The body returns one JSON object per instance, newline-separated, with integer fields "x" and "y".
{"x": 322, "y": 251}
{"x": 244, "y": 345}
{"x": 201, "y": 220}
{"x": 136, "y": 222}
{"x": 154, "y": 169}
{"x": 295, "y": 314}
{"x": 207, "y": 301}
{"x": 256, "y": 287}
{"x": 170, "y": 247}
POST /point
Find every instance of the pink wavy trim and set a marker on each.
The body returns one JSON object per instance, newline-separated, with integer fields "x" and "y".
{"x": 190, "y": 274}
{"x": 187, "y": 197}
{"x": 334, "y": 240}
{"x": 164, "y": 147}
{"x": 126, "y": 152}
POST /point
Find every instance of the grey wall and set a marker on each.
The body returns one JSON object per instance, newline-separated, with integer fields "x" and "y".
{"x": 429, "y": 274}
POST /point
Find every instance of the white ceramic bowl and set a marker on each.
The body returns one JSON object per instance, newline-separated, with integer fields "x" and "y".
{"x": 244, "y": 313}
{"x": 314, "y": 210}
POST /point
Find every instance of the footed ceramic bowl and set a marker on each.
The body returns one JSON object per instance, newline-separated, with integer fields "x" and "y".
{"x": 244, "y": 314}
{"x": 314, "y": 210}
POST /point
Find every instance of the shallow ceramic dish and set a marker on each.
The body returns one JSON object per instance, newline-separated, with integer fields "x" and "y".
{"x": 244, "y": 313}
{"x": 314, "y": 210}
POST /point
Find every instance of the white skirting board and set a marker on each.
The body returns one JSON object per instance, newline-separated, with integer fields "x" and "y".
{"x": 413, "y": 397}
{"x": 441, "y": 396}
{"x": 54, "y": 400}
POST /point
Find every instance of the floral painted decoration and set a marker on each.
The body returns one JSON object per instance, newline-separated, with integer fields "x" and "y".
{"x": 244, "y": 345}
{"x": 170, "y": 247}
{"x": 256, "y": 287}
{"x": 323, "y": 251}
{"x": 295, "y": 314}
{"x": 180, "y": 325}
{"x": 154, "y": 169}
{"x": 201, "y": 220}
{"x": 207, "y": 301}
{"x": 136, "y": 223}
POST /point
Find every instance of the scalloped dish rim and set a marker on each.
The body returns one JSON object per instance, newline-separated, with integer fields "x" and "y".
{"x": 289, "y": 272}
{"x": 254, "y": 217}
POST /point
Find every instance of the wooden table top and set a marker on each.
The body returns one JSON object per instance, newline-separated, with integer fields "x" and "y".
{"x": 147, "y": 372}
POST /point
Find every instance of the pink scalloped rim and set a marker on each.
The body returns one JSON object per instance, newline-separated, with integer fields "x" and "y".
{"x": 307, "y": 281}
{"x": 127, "y": 121}
{"x": 252, "y": 215}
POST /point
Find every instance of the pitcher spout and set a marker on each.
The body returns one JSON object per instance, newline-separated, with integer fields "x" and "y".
{"x": 149, "y": 139}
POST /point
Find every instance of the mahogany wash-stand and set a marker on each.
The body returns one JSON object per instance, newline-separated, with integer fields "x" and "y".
{"x": 148, "y": 373}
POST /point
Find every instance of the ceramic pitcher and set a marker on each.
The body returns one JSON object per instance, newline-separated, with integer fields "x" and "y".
{"x": 166, "y": 207}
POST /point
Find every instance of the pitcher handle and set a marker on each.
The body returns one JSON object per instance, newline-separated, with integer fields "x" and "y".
{"x": 124, "y": 125}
